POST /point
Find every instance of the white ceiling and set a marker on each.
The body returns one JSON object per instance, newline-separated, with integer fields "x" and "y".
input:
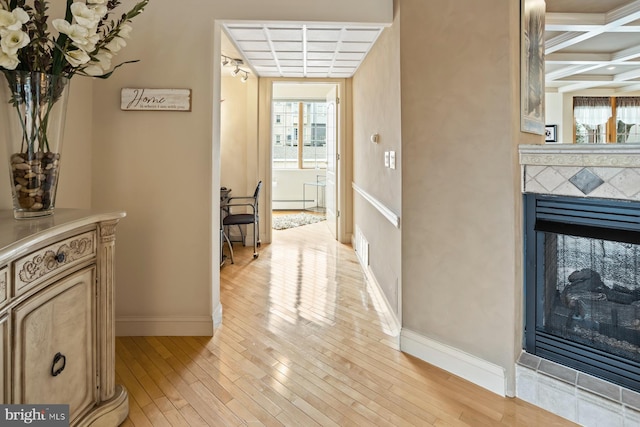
{"x": 300, "y": 50}
{"x": 592, "y": 44}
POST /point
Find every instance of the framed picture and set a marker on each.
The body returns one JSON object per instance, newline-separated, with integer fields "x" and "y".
{"x": 551, "y": 133}
{"x": 532, "y": 66}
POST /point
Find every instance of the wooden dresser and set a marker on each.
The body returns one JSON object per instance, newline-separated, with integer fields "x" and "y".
{"x": 57, "y": 314}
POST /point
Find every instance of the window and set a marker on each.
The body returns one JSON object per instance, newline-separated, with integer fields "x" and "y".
{"x": 600, "y": 120}
{"x": 591, "y": 116}
{"x": 302, "y": 125}
{"x": 627, "y": 119}
{"x": 285, "y": 135}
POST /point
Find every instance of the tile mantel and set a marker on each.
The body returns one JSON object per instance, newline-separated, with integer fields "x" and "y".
{"x": 584, "y": 155}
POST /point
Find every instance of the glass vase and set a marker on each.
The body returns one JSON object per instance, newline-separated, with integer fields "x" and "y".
{"x": 33, "y": 107}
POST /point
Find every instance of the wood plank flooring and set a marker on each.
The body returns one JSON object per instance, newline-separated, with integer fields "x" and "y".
{"x": 301, "y": 344}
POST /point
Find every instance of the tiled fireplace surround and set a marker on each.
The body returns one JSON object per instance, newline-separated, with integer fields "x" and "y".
{"x": 595, "y": 171}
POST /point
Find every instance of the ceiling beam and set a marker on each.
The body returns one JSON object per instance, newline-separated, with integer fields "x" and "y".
{"x": 613, "y": 19}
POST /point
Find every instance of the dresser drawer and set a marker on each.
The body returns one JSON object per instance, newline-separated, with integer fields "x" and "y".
{"x": 53, "y": 259}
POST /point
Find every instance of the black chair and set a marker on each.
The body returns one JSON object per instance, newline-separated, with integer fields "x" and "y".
{"x": 243, "y": 210}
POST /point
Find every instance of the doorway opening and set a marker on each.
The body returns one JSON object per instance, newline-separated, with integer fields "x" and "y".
{"x": 303, "y": 152}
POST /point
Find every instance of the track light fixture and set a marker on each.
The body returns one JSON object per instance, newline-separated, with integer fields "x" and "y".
{"x": 235, "y": 62}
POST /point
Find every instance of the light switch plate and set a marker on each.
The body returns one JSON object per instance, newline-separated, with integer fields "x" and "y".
{"x": 392, "y": 159}
{"x": 386, "y": 159}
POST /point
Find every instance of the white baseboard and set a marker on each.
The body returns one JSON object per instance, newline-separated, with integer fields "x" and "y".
{"x": 164, "y": 326}
{"x": 471, "y": 368}
{"x": 382, "y": 303}
{"x": 379, "y": 299}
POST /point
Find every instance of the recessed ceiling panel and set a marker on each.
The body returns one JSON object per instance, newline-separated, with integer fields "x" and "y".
{"x": 285, "y": 35}
{"x": 355, "y": 35}
{"x": 321, "y": 47}
{"x": 289, "y": 55}
{"x": 280, "y": 49}
{"x": 323, "y": 35}
{"x": 287, "y": 46}
{"x": 254, "y": 45}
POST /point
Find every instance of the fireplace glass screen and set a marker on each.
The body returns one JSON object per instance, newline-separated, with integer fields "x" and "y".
{"x": 592, "y": 293}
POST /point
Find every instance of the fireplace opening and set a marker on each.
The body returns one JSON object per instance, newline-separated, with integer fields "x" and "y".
{"x": 582, "y": 285}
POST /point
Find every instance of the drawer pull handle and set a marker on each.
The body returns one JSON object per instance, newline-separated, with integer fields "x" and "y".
{"x": 59, "y": 357}
{"x": 60, "y": 257}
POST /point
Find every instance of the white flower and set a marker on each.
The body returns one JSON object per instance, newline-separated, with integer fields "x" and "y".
{"x": 115, "y": 44}
{"x": 103, "y": 58}
{"x": 10, "y": 62}
{"x": 77, "y": 57}
{"x": 93, "y": 70}
{"x": 13, "y": 20}
{"x": 76, "y": 32}
{"x": 100, "y": 10}
{"x": 80, "y": 35}
{"x": 85, "y": 16}
{"x": 12, "y": 41}
{"x": 125, "y": 31}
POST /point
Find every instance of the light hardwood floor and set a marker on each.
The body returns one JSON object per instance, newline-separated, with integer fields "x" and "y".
{"x": 301, "y": 344}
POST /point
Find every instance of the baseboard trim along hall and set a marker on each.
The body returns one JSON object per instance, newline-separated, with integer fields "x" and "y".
{"x": 164, "y": 326}
{"x": 380, "y": 301}
{"x": 471, "y": 368}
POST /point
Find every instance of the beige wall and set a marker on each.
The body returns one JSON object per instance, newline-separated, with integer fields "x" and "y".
{"x": 161, "y": 167}
{"x": 376, "y": 109}
{"x": 238, "y": 134}
{"x": 461, "y": 238}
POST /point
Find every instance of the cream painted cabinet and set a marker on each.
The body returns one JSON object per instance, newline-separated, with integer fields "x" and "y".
{"x": 55, "y": 330}
{"x": 57, "y": 319}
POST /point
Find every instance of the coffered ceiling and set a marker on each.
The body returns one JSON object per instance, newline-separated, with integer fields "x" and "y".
{"x": 592, "y": 44}
{"x": 301, "y": 50}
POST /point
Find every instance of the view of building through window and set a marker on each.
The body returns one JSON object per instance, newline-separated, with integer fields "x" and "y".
{"x": 299, "y": 134}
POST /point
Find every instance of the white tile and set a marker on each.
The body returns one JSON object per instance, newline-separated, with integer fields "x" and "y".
{"x": 631, "y": 418}
{"x": 568, "y": 171}
{"x": 568, "y": 189}
{"x": 532, "y": 170}
{"x": 594, "y": 411}
{"x": 534, "y": 187}
{"x": 526, "y": 385}
{"x": 607, "y": 191}
{"x": 606, "y": 173}
{"x": 628, "y": 182}
{"x": 550, "y": 179}
{"x": 557, "y": 397}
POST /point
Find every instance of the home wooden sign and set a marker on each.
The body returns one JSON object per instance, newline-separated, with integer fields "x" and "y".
{"x": 144, "y": 99}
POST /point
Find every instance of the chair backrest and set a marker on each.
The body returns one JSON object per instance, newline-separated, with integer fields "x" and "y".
{"x": 256, "y": 195}
{"x": 257, "y": 192}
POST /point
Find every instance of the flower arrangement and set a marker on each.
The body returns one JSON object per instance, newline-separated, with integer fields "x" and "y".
{"x": 85, "y": 42}
{"x": 38, "y": 63}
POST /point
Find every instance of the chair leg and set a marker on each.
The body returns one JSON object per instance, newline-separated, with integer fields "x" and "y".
{"x": 226, "y": 238}
{"x": 242, "y": 236}
{"x": 255, "y": 241}
{"x": 257, "y": 223}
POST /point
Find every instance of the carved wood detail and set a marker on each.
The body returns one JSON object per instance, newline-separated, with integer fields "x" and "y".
{"x": 44, "y": 263}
